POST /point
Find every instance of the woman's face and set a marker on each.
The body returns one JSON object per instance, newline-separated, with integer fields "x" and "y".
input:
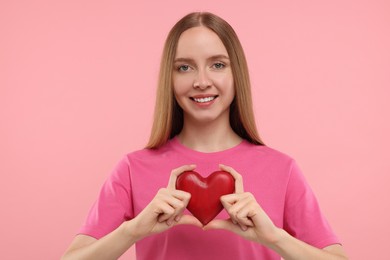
{"x": 202, "y": 78}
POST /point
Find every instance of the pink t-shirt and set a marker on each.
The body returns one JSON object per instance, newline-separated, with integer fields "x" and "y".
{"x": 272, "y": 177}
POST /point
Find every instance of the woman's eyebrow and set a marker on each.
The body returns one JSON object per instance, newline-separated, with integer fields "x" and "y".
{"x": 183, "y": 60}
{"x": 219, "y": 57}
{"x": 214, "y": 57}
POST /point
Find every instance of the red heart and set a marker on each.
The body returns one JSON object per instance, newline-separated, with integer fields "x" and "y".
{"x": 205, "y": 202}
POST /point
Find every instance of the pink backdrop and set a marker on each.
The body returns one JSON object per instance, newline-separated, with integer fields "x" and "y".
{"x": 77, "y": 84}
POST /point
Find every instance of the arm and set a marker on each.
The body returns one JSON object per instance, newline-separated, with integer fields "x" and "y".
{"x": 112, "y": 246}
{"x": 249, "y": 220}
{"x": 291, "y": 248}
{"x": 162, "y": 213}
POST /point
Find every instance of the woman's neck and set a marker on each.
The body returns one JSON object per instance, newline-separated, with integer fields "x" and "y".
{"x": 208, "y": 137}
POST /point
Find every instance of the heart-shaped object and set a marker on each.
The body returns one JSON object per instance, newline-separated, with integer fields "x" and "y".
{"x": 205, "y": 202}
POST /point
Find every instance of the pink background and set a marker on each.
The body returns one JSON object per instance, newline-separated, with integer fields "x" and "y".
{"x": 77, "y": 86}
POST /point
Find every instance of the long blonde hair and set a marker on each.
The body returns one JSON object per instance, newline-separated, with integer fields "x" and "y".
{"x": 168, "y": 115}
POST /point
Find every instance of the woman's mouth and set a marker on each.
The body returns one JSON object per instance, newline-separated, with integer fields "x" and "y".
{"x": 203, "y": 99}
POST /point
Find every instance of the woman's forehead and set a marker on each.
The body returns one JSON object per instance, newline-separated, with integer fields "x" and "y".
{"x": 199, "y": 42}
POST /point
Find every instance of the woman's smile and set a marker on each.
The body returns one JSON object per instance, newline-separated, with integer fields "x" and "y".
{"x": 204, "y": 100}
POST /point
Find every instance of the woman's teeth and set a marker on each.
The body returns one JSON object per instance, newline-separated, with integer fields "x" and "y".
{"x": 203, "y": 100}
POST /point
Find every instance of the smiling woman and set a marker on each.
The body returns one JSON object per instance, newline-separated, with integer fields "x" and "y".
{"x": 205, "y": 88}
{"x": 168, "y": 116}
{"x": 204, "y": 120}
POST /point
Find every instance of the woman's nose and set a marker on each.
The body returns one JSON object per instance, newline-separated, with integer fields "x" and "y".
{"x": 202, "y": 81}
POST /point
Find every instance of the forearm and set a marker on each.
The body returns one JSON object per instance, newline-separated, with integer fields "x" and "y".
{"x": 291, "y": 248}
{"x": 112, "y": 246}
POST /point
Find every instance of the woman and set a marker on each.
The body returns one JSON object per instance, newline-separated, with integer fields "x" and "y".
{"x": 204, "y": 116}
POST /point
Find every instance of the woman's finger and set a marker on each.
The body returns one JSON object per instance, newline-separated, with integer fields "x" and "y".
{"x": 223, "y": 224}
{"x": 244, "y": 216}
{"x": 238, "y": 207}
{"x": 164, "y": 212}
{"x": 239, "y": 185}
{"x": 176, "y": 172}
{"x": 231, "y": 199}
{"x": 173, "y": 202}
{"x": 184, "y": 198}
{"x": 189, "y": 220}
{"x": 179, "y": 207}
{"x": 181, "y": 195}
{"x": 179, "y": 213}
{"x": 228, "y": 201}
{"x": 237, "y": 202}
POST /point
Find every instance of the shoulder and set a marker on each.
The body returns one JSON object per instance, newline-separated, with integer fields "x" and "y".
{"x": 164, "y": 153}
{"x": 266, "y": 153}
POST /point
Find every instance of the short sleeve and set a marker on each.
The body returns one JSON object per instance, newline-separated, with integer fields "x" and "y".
{"x": 113, "y": 205}
{"x": 303, "y": 218}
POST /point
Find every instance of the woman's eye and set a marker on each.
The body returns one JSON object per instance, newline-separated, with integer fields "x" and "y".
{"x": 184, "y": 68}
{"x": 219, "y": 65}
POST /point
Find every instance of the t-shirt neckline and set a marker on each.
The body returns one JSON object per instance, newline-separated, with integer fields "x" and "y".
{"x": 176, "y": 143}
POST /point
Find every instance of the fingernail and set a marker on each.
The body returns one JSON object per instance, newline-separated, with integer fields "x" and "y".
{"x": 177, "y": 218}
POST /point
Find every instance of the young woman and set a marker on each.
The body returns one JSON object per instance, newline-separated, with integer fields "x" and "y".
{"x": 204, "y": 121}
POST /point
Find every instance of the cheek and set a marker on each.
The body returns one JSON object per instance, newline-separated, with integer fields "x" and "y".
{"x": 226, "y": 83}
{"x": 180, "y": 85}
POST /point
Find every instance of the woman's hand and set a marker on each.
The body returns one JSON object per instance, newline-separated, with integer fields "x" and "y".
{"x": 165, "y": 210}
{"x": 247, "y": 218}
